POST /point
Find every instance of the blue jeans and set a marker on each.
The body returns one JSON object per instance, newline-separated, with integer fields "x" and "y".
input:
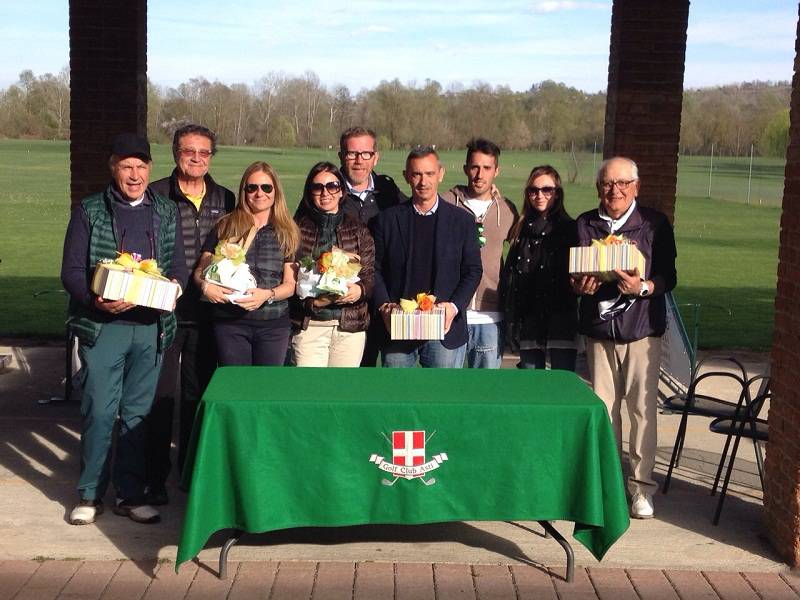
{"x": 560, "y": 358}
{"x": 485, "y": 345}
{"x": 431, "y": 354}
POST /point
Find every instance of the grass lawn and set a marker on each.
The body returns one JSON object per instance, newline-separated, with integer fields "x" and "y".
{"x": 727, "y": 249}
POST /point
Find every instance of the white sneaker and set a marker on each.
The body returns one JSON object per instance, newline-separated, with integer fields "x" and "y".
{"x": 642, "y": 506}
{"x": 85, "y": 512}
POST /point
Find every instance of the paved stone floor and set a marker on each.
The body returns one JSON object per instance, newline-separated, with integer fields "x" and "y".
{"x": 122, "y": 580}
{"x": 679, "y": 554}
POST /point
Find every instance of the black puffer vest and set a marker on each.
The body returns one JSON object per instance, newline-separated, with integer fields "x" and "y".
{"x": 195, "y": 225}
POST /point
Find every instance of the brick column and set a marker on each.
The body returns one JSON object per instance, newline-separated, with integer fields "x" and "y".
{"x": 645, "y": 92}
{"x": 108, "y": 83}
{"x": 782, "y": 477}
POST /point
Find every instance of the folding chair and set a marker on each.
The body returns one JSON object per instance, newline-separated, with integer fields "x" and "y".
{"x": 701, "y": 399}
{"x": 745, "y": 423}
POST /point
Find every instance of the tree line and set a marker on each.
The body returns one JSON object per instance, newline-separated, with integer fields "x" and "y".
{"x": 281, "y": 110}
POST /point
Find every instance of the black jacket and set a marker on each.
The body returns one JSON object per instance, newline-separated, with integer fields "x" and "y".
{"x": 539, "y": 303}
{"x": 647, "y": 316}
{"x": 195, "y": 226}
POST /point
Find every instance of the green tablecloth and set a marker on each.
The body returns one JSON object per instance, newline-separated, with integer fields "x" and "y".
{"x": 290, "y": 447}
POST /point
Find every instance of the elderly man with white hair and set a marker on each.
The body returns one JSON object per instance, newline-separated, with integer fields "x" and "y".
{"x": 625, "y": 319}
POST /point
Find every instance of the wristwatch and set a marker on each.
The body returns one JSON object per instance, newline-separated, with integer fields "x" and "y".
{"x": 645, "y": 290}
{"x": 271, "y": 298}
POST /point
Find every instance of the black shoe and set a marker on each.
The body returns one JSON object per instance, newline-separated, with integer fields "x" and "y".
{"x": 136, "y": 511}
{"x": 156, "y": 495}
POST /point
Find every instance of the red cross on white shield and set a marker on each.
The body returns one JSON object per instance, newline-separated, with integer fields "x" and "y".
{"x": 408, "y": 448}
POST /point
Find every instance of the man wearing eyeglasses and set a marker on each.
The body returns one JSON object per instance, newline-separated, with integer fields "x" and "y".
{"x": 367, "y": 194}
{"x": 201, "y": 203}
{"x": 625, "y": 319}
{"x": 494, "y": 218}
{"x": 426, "y": 245}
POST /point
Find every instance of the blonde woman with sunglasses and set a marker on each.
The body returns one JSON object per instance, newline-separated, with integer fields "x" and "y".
{"x": 254, "y": 329}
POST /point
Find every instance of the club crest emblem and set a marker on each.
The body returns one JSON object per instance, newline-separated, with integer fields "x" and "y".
{"x": 408, "y": 458}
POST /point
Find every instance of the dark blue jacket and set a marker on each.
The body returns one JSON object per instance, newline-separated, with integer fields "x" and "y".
{"x": 457, "y": 261}
{"x": 647, "y": 317}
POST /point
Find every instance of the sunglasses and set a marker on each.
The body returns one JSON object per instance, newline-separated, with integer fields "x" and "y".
{"x": 252, "y": 188}
{"x": 532, "y": 190}
{"x": 188, "y": 152}
{"x": 331, "y": 186}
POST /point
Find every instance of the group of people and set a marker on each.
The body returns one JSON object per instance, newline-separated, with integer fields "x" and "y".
{"x": 449, "y": 244}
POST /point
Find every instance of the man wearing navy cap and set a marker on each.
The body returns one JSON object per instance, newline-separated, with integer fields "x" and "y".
{"x": 121, "y": 344}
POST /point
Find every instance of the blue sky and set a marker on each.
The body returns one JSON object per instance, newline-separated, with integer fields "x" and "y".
{"x": 505, "y": 42}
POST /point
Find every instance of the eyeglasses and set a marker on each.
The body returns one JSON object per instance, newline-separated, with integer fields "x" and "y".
{"x": 252, "y": 188}
{"x": 331, "y": 186}
{"x": 621, "y": 184}
{"x": 188, "y": 152}
{"x": 364, "y": 154}
{"x": 546, "y": 191}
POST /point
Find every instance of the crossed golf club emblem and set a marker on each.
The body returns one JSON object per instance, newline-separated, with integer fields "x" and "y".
{"x": 408, "y": 457}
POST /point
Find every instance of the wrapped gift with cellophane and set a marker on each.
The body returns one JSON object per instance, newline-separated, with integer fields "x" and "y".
{"x": 229, "y": 269}
{"x": 331, "y": 273}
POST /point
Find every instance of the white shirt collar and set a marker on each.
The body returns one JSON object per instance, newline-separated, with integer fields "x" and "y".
{"x": 615, "y": 224}
{"x": 432, "y": 211}
{"x": 362, "y": 194}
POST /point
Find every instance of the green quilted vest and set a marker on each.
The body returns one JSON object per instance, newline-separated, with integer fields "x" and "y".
{"x": 103, "y": 244}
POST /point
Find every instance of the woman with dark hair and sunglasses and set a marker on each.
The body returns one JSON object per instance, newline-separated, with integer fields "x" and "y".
{"x": 330, "y": 330}
{"x": 540, "y": 306}
{"x": 254, "y": 329}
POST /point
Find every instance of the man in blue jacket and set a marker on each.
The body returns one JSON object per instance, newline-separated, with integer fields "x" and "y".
{"x": 426, "y": 245}
{"x": 625, "y": 319}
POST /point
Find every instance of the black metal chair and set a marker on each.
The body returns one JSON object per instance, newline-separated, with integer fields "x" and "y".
{"x": 699, "y": 399}
{"x": 745, "y": 423}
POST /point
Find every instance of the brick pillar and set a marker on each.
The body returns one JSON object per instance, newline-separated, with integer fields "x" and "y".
{"x": 645, "y": 93}
{"x": 108, "y": 83}
{"x": 782, "y": 477}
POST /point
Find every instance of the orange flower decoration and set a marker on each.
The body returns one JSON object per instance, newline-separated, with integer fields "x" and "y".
{"x": 426, "y": 301}
{"x": 614, "y": 240}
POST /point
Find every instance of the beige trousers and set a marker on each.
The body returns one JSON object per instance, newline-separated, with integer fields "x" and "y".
{"x": 630, "y": 371}
{"x": 323, "y": 345}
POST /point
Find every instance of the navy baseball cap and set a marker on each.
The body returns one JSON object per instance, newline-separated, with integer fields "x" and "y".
{"x": 130, "y": 144}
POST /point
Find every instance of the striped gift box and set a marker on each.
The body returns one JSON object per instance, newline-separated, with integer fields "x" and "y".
{"x": 114, "y": 282}
{"x": 418, "y": 325}
{"x": 601, "y": 261}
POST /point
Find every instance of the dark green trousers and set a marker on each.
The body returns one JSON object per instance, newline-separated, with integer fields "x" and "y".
{"x": 122, "y": 371}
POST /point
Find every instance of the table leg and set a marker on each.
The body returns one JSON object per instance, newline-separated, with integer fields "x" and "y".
{"x": 548, "y": 527}
{"x": 223, "y": 553}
